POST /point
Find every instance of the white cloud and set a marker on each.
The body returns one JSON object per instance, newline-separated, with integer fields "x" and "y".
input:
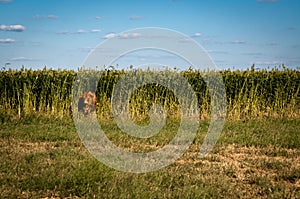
{"x": 129, "y": 35}
{"x": 52, "y": 17}
{"x": 197, "y": 34}
{"x": 15, "y": 28}
{"x": 8, "y": 40}
{"x": 207, "y": 39}
{"x": 185, "y": 40}
{"x": 122, "y": 35}
{"x": 134, "y": 17}
{"x": 63, "y": 32}
{"x": 217, "y": 52}
{"x": 97, "y": 17}
{"x": 21, "y": 59}
{"x": 95, "y": 31}
{"x": 35, "y": 43}
{"x": 237, "y": 42}
{"x": 253, "y": 54}
{"x": 80, "y": 31}
{"x": 110, "y": 35}
{"x": 45, "y": 17}
{"x": 86, "y": 49}
{"x": 37, "y": 16}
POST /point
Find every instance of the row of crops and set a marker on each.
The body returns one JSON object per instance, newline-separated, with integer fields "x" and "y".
{"x": 249, "y": 93}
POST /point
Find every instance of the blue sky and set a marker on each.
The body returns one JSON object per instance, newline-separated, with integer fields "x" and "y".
{"x": 235, "y": 33}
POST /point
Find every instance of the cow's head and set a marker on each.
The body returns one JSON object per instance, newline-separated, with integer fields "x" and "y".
{"x": 87, "y": 103}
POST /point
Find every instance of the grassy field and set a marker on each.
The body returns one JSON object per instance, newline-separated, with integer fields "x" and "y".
{"x": 257, "y": 155}
{"x": 249, "y": 93}
{"x": 257, "y": 158}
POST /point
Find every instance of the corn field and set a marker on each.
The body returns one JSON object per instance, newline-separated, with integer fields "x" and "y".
{"x": 250, "y": 93}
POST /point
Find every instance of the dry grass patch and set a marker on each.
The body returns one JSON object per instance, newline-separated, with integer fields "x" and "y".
{"x": 250, "y": 171}
{"x": 48, "y": 160}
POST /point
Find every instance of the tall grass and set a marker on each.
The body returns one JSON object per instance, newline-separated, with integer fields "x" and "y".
{"x": 249, "y": 93}
{"x": 259, "y": 93}
{"x": 43, "y": 91}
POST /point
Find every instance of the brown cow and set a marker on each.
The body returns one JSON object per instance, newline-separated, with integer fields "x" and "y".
{"x": 87, "y": 103}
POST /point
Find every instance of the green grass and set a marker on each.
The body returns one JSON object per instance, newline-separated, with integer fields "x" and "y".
{"x": 249, "y": 93}
{"x": 263, "y": 133}
{"x": 257, "y": 155}
{"x": 43, "y": 157}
